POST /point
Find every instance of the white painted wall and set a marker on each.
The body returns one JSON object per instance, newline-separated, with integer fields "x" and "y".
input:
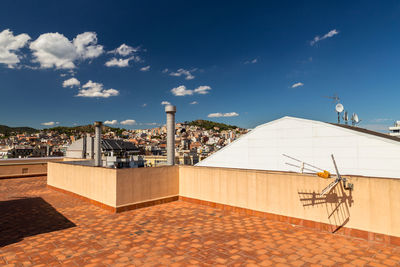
{"x": 313, "y": 142}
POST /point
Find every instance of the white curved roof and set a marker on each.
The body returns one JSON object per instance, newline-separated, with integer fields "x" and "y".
{"x": 357, "y": 151}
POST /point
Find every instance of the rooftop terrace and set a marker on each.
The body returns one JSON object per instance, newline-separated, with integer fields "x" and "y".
{"x": 43, "y": 227}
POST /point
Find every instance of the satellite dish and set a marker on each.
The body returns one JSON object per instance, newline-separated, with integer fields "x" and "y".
{"x": 355, "y": 118}
{"x": 339, "y": 108}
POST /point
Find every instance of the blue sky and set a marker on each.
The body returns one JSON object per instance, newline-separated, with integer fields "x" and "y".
{"x": 237, "y": 60}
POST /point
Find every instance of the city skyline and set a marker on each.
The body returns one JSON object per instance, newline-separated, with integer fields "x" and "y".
{"x": 243, "y": 65}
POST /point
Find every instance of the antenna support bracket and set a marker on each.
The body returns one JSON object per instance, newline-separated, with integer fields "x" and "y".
{"x": 347, "y": 186}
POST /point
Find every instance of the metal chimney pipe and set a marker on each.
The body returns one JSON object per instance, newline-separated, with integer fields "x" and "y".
{"x": 84, "y": 146}
{"x": 170, "y": 110}
{"x": 97, "y": 143}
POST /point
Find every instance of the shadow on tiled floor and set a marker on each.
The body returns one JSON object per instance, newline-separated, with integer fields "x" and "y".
{"x": 25, "y": 217}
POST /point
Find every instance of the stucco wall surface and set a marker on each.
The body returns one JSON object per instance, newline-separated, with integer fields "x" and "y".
{"x": 373, "y": 205}
{"x": 144, "y": 184}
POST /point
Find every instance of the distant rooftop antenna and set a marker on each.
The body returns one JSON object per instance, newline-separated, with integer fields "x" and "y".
{"x": 339, "y": 109}
{"x": 345, "y": 117}
{"x": 354, "y": 119}
{"x": 335, "y": 98}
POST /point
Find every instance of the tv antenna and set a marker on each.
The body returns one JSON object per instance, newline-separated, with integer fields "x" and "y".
{"x": 339, "y": 109}
{"x": 303, "y": 166}
{"x": 339, "y": 178}
{"x": 335, "y": 98}
{"x": 354, "y": 119}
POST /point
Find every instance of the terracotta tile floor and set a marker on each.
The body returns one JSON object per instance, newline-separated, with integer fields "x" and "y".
{"x": 42, "y": 227}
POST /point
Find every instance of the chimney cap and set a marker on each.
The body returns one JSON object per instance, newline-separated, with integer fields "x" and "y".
{"x": 98, "y": 123}
{"x": 170, "y": 109}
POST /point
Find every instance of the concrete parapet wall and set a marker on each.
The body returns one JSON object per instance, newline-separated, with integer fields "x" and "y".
{"x": 146, "y": 184}
{"x": 370, "y": 211}
{"x": 119, "y": 189}
{"x": 25, "y": 167}
{"x": 94, "y": 183}
{"x": 373, "y": 205}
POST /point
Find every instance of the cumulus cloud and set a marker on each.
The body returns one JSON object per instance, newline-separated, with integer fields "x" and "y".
{"x": 182, "y": 90}
{"x": 118, "y": 62}
{"x": 194, "y": 103}
{"x": 165, "y": 70}
{"x": 147, "y": 68}
{"x": 10, "y": 44}
{"x": 144, "y": 105}
{"x": 182, "y": 72}
{"x": 253, "y": 61}
{"x": 71, "y": 83}
{"x": 124, "y": 50}
{"x": 112, "y": 122}
{"x": 165, "y": 103}
{"x": 128, "y": 122}
{"x": 218, "y": 115}
{"x": 327, "y": 35}
{"x": 93, "y": 89}
{"x": 202, "y": 90}
{"x": 50, "y": 123}
{"x": 86, "y": 45}
{"x": 299, "y": 84}
{"x": 55, "y": 50}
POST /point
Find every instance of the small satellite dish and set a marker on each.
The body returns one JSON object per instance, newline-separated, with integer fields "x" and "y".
{"x": 339, "y": 108}
{"x": 354, "y": 119}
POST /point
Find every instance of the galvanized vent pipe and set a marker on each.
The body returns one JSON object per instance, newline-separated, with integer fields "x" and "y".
{"x": 97, "y": 143}
{"x": 170, "y": 110}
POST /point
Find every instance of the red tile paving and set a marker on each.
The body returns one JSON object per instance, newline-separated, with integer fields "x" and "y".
{"x": 42, "y": 227}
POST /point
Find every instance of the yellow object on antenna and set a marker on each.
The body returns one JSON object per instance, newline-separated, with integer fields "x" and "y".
{"x": 324, "y": 174}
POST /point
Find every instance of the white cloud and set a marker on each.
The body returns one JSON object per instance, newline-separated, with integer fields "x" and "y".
{"x": 92, "y": 89}
{"x": 118, "y": 62}
{"x": 382, "y": 120}
{"x": 9, "y": 46}
{"x": 144, "y": 105}
{"x": 376, "y": 127}
{"x": 218, "y": 115}
{"x": 297, "y": 85}
{"x": 55, "y": 50}
{"x": 202, "y": 90}
{"x": 253, "y": 61}
{"x": 86, "y": 45}
{"x": 128, "y": 122}
{"x": 125, "y": 50}
{"x": 327, "y": 35}
{"x": 194, "y": 103}
{"x": 71, "y": 83}
{"x": 165, "y": 103}
{"x": 182, "y": 91}
{"x": 183, "y": 72}
{"x": 50, "y": 123}
{"x": 165, "y": 70}
{"x": 112, "y": 122}
{"x": 147, "y": 68}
